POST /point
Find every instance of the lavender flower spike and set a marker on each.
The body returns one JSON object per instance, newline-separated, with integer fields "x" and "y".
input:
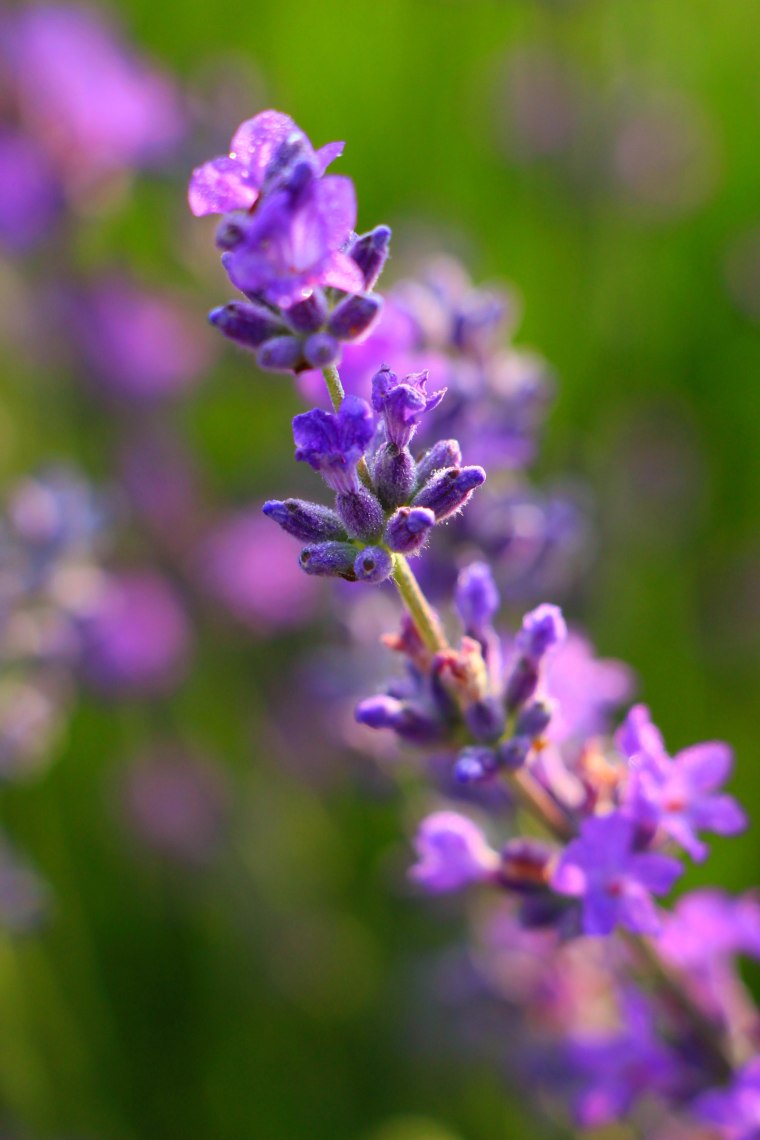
{"x": 453, "y": 853}
{"x": 333, "y": 443}
{"x": 263, "y": 151}
{"x": 614, "y": 882}
{"x": 402, "y": 402}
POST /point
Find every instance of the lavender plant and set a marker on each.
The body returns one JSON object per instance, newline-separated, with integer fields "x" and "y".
{"x": 600, "y": 820}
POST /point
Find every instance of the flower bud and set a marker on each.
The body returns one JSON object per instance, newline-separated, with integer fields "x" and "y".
{"x": 393, "y": 474}
{"x": 321, "y": 349}
{"x": 542, "y": 629}
{"x": 534, "y": 719}
{"x": 525, "y": 864}
{"x": 245, "y": 323}
{"x": 411, "y": 723}
{"x": 476, "y": 598}
{"x": 513, "y": 753}
{"x": 445, "y": 453}
{"x": 309, "y": 522}
{"x": 474, "y": 765}
{"x": 280, "y": 354}
{"x": 309, "y": 315}
{"x": 329, "y": 560}
{"x": 354, "y": 316}
{"x": 373, "y": 564}
{"x": 485, "y": 719}
{"x": 370, "y": 252}
{"x": 521, "y": 683}
{"x": 408, "y": 529}
{"x": 448, "y": 491}
{"x": 361, "y": 512}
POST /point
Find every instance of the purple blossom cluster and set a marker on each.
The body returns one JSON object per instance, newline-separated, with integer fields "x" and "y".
{"x": 624, "y": 1009}
{"x": 289, "y": 245}
{"x": 386, "y": 501}
{"x": 79, "y": 110}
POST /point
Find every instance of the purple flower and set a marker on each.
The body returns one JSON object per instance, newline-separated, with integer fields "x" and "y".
{"x": 135, "y": 636}
{"x": 708, "y": 925}
{"x": 138, "y": 345}
{"x": 176, "y": 803}
{"x": 294, "y": 240}
{"x": 31, "y": 198}
{"x": 263, "y": 152}
{"x": 585, "y": 689}
{"x": 736, "y": 1109}
{"x": 452, "y": 853}
{"x": 95, "y": 107}
{"x": 251, "y": 569}
{"x": 402, "y": 403}
{"x": 678, "y": 795}
{"x": 615, "y": 1068}
{"x": 614, "y": 882}
{"x": 334, "y": 442}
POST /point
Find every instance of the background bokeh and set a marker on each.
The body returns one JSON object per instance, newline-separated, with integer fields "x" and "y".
{"x": 603, "y": 158}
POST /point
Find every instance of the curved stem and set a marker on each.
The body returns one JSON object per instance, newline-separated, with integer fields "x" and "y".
{"x": 422, "y": 613}
{"x": 335, "y": 387}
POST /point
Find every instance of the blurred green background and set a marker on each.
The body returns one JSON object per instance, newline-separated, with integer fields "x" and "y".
{"x": 603, "y": 157}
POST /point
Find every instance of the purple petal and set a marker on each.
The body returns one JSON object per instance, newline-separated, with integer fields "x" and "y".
{"x": 568, "y": 877}
{"x": 357, "y": 424}
{"x": 327, "y": 154}
{"x": 340, "y": 272}
{"x": 656, "y": 873}
{"x": 637, "y": 734}
{"x": 600, "y": 912}
{"x": 335, "y": 199}
{"x": 219, "y": 186}
{"x": 638, "y": 913}
{"x": 680, "y": 828}
{"x": 705, "y": 766}
{"x": 721, "y": 814}
{"x": 257, "y": 140}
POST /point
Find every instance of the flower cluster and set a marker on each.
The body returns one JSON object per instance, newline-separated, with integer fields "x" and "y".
{"x": 289, "y": 245}
{"x": 669, "y": 1021}
{"x": 386, "y": 502}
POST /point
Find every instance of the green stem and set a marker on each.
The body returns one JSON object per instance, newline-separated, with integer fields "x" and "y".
{"x": 334, "y": 386}
{"x": 422, "y": 613}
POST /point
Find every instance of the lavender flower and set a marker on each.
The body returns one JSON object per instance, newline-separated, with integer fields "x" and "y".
{"x": 452, "y": 853}
{"x": 736, "y": 1110}
{"x": 679, "y": 795}
{"x": 614, "y": 882}
{"x": 263, "y": 154}
{"x": 293, "y": 243}
{"x": 333, "y": 444}
{"x": 402, "y": 402}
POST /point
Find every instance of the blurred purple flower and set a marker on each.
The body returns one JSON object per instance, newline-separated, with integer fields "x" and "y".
{"x": 176, "y": 803}
{"x": 135, "y": 637}
{"x": 452, "y": 853}
{"x": 139, "y": 345}
{"x": 252, "y": 570}
{"x": 94, "y": 106}
{"x": 263, "y": 152}
{"x": 678, "y": 795}
{"x": 736, "y": 1109}
{"x": 585, "y": 689}
{"x": 31, "y": 198}
{"x": 614, "y": 882}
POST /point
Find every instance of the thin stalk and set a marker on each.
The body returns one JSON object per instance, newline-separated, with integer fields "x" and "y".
{"x": 422, "y": 613}
{"x": 335, "y": 387}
